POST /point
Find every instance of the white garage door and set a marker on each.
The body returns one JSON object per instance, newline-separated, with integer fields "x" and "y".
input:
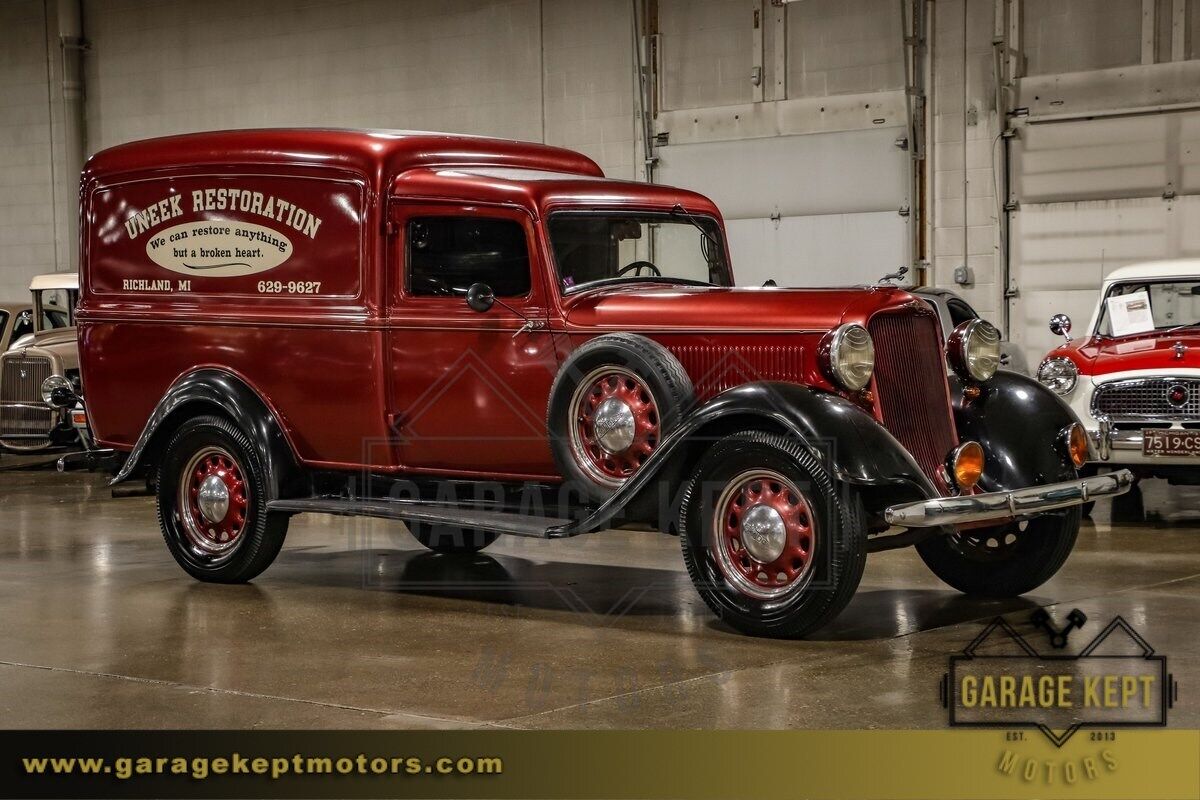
{"x": 817, "y": 209}
{"x": 1095, "y": 195}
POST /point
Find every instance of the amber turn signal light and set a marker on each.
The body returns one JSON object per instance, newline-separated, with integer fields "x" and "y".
{"x": 965, "y": 465}
{"x": 1075, "y": 440}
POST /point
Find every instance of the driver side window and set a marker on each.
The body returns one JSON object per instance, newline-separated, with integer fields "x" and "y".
{"x": 448, "y": 254}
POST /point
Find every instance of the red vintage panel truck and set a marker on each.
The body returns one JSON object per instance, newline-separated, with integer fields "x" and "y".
{"x": 483, "y": 337}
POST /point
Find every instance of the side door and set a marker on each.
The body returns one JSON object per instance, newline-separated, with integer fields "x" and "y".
{"x": 468, "y": 390}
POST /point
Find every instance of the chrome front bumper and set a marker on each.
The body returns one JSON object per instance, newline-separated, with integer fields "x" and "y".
{"x": 1110, "y": 443}
{"x": 1006, "y": 505}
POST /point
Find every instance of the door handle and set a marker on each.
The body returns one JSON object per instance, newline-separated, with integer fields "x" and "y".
{"x": 529, "y": 326}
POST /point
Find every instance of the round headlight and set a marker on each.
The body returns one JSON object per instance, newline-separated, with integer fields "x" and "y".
{"x": 57, "y": 392}
{"x": 974, "y": 350}
{"x": 851, "y": 356}
{"x": 1059, "y": 375}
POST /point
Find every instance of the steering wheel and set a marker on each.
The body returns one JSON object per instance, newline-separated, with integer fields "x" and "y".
{"x": 636, "y": 268}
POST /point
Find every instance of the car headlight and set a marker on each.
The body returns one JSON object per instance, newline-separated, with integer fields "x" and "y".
{"x": 851, "y": 356}
{"x": 57, "y": 392}
{"x": 973, "y": 350}
{"x": 1059, "y": 375}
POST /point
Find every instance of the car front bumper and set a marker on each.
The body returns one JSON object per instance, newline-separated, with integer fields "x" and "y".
{"x": 1007, "y": 505}
{"x": 1111, "y": 445}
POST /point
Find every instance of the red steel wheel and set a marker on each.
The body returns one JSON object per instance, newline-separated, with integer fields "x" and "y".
{"x": 766, "y": 534}
{"x": 214, "y": 501}
{"x": 616, "y": 424}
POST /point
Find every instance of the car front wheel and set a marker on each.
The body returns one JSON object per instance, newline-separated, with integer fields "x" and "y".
{"x": 1003, "y": 560}
{"x": 769, "y": 543}
{"x": 212, "y": 503}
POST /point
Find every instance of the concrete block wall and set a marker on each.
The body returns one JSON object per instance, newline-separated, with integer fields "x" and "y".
{"x": 470, "y": 66}
{"x": 1103, "y": 33}
{"x": 590, "y": 83}
{"x": 844, "y": 47}
{"x": 964, "y": 127}
{"x": 158, "y": 68}
{"x": 26, "y": 207}
{"x": 707, "y": 52}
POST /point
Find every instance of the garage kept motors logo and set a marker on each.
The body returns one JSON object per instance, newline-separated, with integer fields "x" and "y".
{"x": 1115, "y": 681}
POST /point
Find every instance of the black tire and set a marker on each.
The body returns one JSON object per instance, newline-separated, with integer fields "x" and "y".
{"x": 1006, "y": 560}
{"x": 659, "y": 376}
{"x": 825, "y": 586}
{"x": 451, "y": 540}
{"x": 257, "y": 539}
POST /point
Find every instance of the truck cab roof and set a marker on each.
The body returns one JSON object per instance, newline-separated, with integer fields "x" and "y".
{"x": 441, "y": 166}
{"x": 364, "y": 151}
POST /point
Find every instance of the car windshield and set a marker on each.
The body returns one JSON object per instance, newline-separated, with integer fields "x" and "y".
{"x": 1145, "y": 306}
{"x": 611, "y": 248}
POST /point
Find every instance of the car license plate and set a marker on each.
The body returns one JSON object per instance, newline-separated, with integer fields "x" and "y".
{"x": 1158, "y": 442}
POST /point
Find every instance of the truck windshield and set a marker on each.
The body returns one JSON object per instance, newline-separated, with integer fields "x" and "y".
{"x": 1145, "y": 306}
{"x": 615, "y": 247}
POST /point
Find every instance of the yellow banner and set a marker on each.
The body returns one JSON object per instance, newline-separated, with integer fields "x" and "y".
{"x": 924, "y": 765}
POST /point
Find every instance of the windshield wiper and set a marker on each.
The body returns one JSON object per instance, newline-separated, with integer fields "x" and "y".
{"x": 1179, "y": 328}
{"x": 679, "y": 210}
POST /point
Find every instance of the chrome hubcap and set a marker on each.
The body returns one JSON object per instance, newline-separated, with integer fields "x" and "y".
{"x": 615, "y": 425}
{"x": 213, "y": 498}
{"x": 764, "y": 533}
{"x": 214, "y": 502}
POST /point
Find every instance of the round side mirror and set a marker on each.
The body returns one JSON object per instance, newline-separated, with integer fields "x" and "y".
{"x": 58, "y": 392}
{"x": 1060, "y": 325}
{"x": 480, "y": 297}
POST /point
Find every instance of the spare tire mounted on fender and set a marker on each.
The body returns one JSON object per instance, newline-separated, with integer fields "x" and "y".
{"x": 613, "y": 401}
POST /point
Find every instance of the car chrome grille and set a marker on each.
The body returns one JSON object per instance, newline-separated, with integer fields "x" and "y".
{"x": 911, "y": 389}
{"x": 25, "y": 421}
{"x": 1146, "y": 399}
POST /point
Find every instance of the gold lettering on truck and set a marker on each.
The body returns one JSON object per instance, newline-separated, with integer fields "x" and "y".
{"x": 225, "y": 198}
{"x": 219, "y": 247}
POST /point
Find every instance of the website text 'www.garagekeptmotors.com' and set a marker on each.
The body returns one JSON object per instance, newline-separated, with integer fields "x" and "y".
{"x": 200, "y": 768}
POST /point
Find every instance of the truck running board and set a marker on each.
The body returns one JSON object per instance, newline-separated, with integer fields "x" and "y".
{"x": 431, "y": 513}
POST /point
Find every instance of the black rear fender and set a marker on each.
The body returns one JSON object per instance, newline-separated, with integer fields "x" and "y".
{"x": 209, "y": 391}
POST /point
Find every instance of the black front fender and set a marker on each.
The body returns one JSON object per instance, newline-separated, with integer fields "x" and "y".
{"x": 857, "y": 449}
{"x": 207, "y": 391}
{"x": 1019, "y": 422}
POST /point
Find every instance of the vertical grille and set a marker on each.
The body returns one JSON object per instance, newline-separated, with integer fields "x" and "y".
{"x": 714, "y": 368}
{"x": 25, "y": 421}
{"x": 911, "y": 389}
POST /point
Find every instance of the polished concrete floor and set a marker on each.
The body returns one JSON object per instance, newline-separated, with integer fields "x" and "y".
{"x": 355, "y": 626}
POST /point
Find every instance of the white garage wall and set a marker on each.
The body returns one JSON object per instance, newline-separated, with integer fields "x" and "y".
{"x": 819, "y": 209}
{"x": 26, "y": 209}
{"x": 809, "y": 178}
{"x": 159, "y": 68}
{"x": 965, "y": 124}
{"x": 1095, "y": 195}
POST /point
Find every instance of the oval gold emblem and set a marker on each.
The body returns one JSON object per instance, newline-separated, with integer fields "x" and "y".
{"x": 218, "y": 249}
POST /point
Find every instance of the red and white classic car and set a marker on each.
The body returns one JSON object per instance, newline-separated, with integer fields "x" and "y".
{"x": 1133, "y": 378}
